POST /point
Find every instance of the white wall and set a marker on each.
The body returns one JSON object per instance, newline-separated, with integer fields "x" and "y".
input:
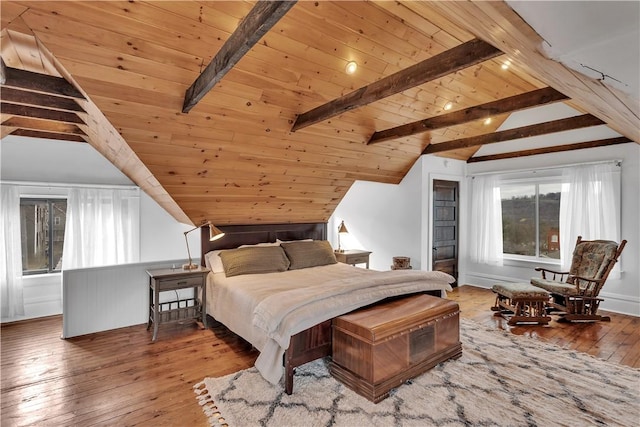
{"x": 377, "y": 215}
{"x": 31, "y": 160}
{"x": 392, "y": 220}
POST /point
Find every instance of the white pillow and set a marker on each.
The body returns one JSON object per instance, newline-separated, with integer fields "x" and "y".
{"x": 214, "y": 262}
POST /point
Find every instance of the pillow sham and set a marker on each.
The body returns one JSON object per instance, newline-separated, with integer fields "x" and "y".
{"x": 252, "y": 260}
{"x": 213, "y": 261}
{"x": 303, "y": 254}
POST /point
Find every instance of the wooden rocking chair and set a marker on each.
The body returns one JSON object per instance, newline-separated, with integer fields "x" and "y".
{"x": 574, "y": 294}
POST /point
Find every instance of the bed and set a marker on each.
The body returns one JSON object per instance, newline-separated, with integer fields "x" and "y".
{"x": 286, "y": 311}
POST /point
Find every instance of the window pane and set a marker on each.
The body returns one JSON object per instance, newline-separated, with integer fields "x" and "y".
{"x": 34, "y": 222}
{"x": 549, "y": 217}
{"x": 42, "y": 224}
{"x": 519, "y": 219}
{"x": 59, "y": 215}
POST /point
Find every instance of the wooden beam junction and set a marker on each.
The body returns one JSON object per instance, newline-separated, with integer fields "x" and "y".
{"x": 36, "y": 82}
{"x": 39, "y": 113}
{"x": 37, "y": 99}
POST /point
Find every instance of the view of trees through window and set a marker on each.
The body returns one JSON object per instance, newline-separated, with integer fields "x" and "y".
{"x": 42, "y": 223}
{"x": 531, "y": 219}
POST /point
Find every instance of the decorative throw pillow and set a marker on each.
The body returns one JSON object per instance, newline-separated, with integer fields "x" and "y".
{"x": 309, "y": 254}
{"x": 253, "y": 260}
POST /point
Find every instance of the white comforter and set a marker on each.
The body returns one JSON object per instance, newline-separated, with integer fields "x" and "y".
{"x": 267, "y": 309}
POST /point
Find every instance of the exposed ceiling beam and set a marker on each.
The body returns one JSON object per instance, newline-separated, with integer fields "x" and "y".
{"x": 21, "y": 79}
{"x": 37, "y": 99}
{"x": 39, "y": 113}
{"x": 263, "y": 16}
{"x": 448, "y": 62}
{"x": 555, "y": 149}
{"x": 42, "y": 125}
{"x": 570, "y": 123}
{"x": 507, "y": 105}
{"x": 48, "y": 135}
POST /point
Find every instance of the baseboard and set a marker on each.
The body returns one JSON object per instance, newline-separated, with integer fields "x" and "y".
{"x": 622, "y": 304}
{"x": 486, "y": 280}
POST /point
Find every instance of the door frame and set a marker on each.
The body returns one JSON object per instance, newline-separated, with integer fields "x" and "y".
{"x": 427, "y": 239}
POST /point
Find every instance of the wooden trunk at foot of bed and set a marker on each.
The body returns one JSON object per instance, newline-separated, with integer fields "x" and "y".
{"x": 311, "y": 344}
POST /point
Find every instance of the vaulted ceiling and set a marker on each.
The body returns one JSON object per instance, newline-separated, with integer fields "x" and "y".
{"x": 277, "y": 131}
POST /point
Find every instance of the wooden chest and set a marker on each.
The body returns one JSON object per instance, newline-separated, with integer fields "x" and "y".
{"x": 378, "y": 348}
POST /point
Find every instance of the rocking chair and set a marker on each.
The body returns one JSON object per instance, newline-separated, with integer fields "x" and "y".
{"x": 574, "y": 294}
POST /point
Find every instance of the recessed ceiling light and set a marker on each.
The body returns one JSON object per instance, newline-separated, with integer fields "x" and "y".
{"x": 506, "y": 64}
{"x": 448, "y": 106}
{"x": 487, "y": 121}
{"x": 351, "y": 67}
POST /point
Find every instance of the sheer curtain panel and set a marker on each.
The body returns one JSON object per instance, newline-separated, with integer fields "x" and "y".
{"x": 11, "y": 253}
{"x": 589, "y": 207}
{"x": 103, "y": 227}
{"x": 485, "y": 240}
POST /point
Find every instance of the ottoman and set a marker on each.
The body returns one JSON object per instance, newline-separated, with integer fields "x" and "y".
{"x": 521, "y": 303}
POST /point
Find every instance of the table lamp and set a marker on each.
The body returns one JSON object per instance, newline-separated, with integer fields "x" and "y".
{"x": 214, "y": 234}
{"x": 341, "y": 229}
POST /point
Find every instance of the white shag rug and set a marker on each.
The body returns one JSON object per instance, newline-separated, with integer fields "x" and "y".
{"x": 500, "y": 380}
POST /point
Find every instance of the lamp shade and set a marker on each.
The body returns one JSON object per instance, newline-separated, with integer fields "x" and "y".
{"x": 214, "y": 233}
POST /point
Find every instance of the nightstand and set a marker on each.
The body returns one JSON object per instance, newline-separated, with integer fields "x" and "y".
{"x": 168, "y": 279}
{"x": 353, "y": 257}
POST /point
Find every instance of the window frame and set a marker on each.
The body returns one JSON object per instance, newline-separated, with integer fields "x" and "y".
{"x": 49, "y": 200}
{"x": 534, "y": 181}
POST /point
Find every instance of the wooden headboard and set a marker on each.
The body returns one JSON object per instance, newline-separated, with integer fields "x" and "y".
{"x": 236, "y": 235}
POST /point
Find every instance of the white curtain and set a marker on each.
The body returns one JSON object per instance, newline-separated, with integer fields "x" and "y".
{"x": 103, "y": 228}
{"x": 589, "y": 207}
{"x": 485, "y": 240}
{"x": 10, "y": 253}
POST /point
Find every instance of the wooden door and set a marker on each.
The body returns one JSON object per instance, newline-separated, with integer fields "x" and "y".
{"x": 445, "y": 227}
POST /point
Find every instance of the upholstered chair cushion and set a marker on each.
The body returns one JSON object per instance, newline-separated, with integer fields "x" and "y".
{"x": 560, "y": 288}
{"x": 590, "y": 259}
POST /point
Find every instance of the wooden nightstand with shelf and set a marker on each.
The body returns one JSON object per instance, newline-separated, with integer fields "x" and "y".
{"x": 169, "y": 279}
{"x": 353, "y": 257}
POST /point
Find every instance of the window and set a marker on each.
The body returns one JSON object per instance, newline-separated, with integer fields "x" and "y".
{"x": 42, "y": 224}
{"x": 531, "y": 219}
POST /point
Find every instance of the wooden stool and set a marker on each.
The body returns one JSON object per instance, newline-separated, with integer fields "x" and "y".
{"x": 521, "y": 302}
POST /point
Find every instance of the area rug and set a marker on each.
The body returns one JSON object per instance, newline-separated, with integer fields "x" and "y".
{"x": 500, "y": 380}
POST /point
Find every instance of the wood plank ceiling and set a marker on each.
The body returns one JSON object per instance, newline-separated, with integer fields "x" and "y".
{"x": 284, "y": 131}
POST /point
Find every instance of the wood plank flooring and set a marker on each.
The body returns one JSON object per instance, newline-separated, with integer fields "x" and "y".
{"x": 120, "y": 378}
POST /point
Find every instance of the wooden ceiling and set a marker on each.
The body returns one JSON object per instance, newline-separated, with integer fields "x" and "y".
{"x": 277, "y": 131}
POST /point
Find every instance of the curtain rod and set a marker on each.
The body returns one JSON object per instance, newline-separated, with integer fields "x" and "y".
{"x": 600, "y": 162}
{"x": 70, "y": 185}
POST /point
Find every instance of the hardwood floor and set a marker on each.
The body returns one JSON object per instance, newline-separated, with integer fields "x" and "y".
{"x": 120, "y": 378}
